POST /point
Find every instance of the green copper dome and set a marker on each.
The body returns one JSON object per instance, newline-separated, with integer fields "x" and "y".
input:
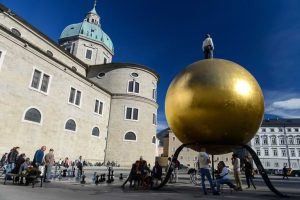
{"x": 89, "y": 31}
{"x": 90, "y": 28}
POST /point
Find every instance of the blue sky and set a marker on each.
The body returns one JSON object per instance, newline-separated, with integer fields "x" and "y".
{"x": 166, "y": 35}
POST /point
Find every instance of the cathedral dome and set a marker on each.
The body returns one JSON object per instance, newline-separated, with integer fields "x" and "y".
{"x": 90, "y": 28}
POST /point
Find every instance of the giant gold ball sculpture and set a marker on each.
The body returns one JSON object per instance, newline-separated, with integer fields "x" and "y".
{"x": 215, "y": 103}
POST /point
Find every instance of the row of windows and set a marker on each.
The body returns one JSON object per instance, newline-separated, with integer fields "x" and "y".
{"x": 275, "y": 152}
{"x": 279, "y": 129}
{"x": 34, "y": 115}
{"x": 264, "y": 140}
{"x": 277, "y": 165}
{"x": 40, "y": 82}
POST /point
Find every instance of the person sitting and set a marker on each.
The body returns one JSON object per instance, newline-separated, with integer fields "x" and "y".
{"x": 145, "y": 172}
{"x": 223, "y": 177}
{"x": 156, "y": 172}
{"x": 23, "y": 168}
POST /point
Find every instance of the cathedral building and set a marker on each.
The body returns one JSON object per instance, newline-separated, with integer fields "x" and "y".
{"x": 71, "y": 96}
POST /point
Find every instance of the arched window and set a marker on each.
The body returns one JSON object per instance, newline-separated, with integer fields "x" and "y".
{"x": 298, "y": 140}
{"x": 33, "y": 115}
{"x": 273, "y": 140}
{"x": 290, "y": 140}
{"x": 70, "y": 125}
{"x": 153, "y": 140}
{"x": 130, "y": 136}
{"x": 264, "y": 140}
{"x": 16, "y": 32}
{"x": 96, "y": 132}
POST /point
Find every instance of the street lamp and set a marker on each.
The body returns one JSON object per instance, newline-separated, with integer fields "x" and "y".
{"x": 286, "y": 145}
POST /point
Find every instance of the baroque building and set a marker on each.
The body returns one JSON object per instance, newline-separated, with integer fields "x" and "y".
{"x": 277, "y": 143}
{"x": 71, "y": 96}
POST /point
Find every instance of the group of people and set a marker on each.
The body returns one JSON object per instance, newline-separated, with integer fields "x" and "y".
{"x": 141, "y": 175}
{"x": 41, "y": 164}
{"x": 222, "y": 173}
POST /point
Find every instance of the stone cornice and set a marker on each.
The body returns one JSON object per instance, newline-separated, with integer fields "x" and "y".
{"x": 135, "y": 98}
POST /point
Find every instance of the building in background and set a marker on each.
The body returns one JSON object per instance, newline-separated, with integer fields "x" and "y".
{"x": 71, "y": 97}
{"x": 188, "y": 157}
{"x": 277, "y": 143}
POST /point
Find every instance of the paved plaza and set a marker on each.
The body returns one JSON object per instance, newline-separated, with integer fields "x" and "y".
{"x": 70, "y": 189}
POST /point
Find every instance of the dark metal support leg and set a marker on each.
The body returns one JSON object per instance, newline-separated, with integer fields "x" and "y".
{"x": 171, "y": 167}
{"x": 262, "y": 171}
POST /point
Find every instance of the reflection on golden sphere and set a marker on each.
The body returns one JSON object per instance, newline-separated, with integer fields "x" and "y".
{"x": 215, "y": 103}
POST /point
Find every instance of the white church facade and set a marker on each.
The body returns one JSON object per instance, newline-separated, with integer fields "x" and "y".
{"x": 71, "y": 97}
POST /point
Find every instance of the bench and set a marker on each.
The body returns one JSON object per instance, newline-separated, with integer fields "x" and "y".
{"x": 13, "y": 176}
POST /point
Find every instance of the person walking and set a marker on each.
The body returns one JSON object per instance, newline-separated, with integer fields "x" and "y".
{"x": 208, "y": 47}
{"x": 248, "y": 172}
{"x": 204, "y": 161}
{"x": 38, "y": 158}
{"x": 79, "y": 167}
{"x": 49, "y": 162}
{"x": 236, "y": 163}
{"x": 284, "y": 173}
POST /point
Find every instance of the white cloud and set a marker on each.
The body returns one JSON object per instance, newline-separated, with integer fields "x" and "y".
{"x": 287, "y": 104}
{"x": 282, "y": 103}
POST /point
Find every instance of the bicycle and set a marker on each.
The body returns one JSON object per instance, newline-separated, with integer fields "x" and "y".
{"x": 194, "y": 176}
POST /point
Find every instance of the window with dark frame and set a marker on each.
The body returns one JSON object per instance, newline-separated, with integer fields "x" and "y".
{"x": 33, "y": 115}
{"x": 132, "y": 113}
{"x": 130, "y": 136}
{"x": 75, "y": 97}
{"x": 70, "y": 125}
{"x": 88, "y": 54}
{"x": 133, "y": 86}
{"x": 40, "y": 81}
{"x": 96, "y": 131}
{"x": 98, "y": 107}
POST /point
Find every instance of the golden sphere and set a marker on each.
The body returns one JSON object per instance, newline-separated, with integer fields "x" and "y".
{"x": 215, "y": 103}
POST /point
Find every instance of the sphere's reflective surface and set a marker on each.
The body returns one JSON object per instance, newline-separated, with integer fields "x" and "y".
{"x": 216, "y": 103}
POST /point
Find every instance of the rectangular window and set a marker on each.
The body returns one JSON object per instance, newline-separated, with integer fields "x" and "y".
{"x": 258, "y": 152}
{"x": 283, "y": 151}
{"x": 132, "y": 113}
{"x": 75, "y": 97}
{"x": 135, "y": 114}
{"x": 45, "y": 83}
{"x": 275, "y": 153}
{"x": 266, "y": 152}
{"x": 133, "y": 86}
{"x": 263, "y": 130}
{"x": 98, "y": 107}
{"x": 293, "y": 154}
{"x": 154, "y": 119}
{"x": 36, "y": 79}
{"x": 40, "y": 81}
{"x": 296, "y": 130}
{"x": 173, "y": 138}
{"x": 154, "y": 94}
{"x": 276, "y": 164}
{"x": 88, "y": 54}
{"x": 105, "y": 60}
